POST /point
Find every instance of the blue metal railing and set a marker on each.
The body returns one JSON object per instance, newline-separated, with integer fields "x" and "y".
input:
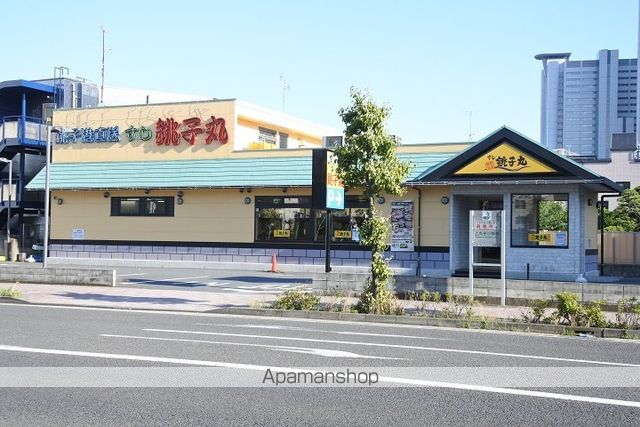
{"x": 30, "y": 131}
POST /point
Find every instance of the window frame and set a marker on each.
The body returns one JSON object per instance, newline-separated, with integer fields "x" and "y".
{"x": 304, "y": 202}
{"x": 142, "y": 203}
{"x": 512, "y": 218}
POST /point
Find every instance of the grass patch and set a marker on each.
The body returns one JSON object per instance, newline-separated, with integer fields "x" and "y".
{"x": 11, "y": 292}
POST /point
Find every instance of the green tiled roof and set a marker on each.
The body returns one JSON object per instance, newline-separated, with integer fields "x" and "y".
{"x": 248, "y": 172}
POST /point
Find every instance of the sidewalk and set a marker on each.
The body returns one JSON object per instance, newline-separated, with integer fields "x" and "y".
{"x": 135, "y": 298}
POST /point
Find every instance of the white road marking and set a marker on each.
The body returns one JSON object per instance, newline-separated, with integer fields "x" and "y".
{"x": 132, "y": 274}
{"x": 408, "y": 347}
{"x": 324, "y": 352}
{"x": 401, "y": 381}
{"x": 326, "y": 331}
{"x": 174, "y": 279}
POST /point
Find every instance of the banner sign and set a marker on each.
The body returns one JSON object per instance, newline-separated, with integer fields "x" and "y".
{"x": 504, "y": 159}
{"x": 327, "y": 190}
{"x": 402, "y": 226}
{"x": 486, "y": 229}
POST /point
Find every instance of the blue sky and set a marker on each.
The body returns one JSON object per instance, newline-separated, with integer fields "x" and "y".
{"x": 430, "y": 61}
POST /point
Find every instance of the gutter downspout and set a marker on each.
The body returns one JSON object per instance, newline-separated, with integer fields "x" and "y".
{"x": 418, "y": 270}
{"x": 604, "y": 196}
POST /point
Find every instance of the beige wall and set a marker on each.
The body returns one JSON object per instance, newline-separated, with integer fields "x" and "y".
{"x": 210, "y": 216}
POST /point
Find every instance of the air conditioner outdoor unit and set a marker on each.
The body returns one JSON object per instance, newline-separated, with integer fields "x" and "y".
{"x": 332, "y": 141}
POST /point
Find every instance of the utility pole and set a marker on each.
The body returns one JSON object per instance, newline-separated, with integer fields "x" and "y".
{"x": 285, "y": 88}
{"x": 102, "y": 74}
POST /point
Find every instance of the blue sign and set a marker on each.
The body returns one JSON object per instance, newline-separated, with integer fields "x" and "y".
{"x": 335, "y": 198}
{"x": 89, "y": 135}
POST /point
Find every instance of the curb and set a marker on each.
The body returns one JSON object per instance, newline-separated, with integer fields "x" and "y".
{"x": 497, "y": 324}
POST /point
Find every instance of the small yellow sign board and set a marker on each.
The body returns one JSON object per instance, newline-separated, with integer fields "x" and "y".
{"x": 540, "y": 237}
{"x": 342, "y": 234}
{"x": 281, "y": 233}
{"x": 503, "y": 160}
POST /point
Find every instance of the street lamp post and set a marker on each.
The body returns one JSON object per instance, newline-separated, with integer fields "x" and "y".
{"x": 45, "y": 249}
{"x": 5, "y": 160}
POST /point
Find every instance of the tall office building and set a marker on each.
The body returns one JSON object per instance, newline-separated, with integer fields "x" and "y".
{"x": 585, "y": 102}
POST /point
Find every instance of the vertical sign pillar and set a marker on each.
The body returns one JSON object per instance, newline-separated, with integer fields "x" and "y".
{"x": 327, "y": 193}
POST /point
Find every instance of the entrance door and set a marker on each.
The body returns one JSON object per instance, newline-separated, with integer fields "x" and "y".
{"x": 488, "y": 255}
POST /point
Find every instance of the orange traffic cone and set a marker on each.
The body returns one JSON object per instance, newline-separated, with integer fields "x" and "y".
{"x": 274, "y": 263}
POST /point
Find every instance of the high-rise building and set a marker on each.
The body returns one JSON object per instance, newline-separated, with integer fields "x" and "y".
{"x": 585, "y": 102}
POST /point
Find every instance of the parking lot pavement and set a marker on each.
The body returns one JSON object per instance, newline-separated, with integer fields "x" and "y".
{"x": 218, "y": 281}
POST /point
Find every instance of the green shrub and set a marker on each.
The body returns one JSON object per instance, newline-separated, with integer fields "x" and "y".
{"x": 628, "y": 313}
{"x": 11, "y": 292}
{"x": 593, "y": 316}
{"x": 458, "y": 306}
{"x": 569, "y": 308}
{"x": 297, "y": 300}
{"x": 536, "y": 310}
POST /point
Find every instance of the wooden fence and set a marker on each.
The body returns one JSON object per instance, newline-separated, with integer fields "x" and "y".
{"x": 621, "y": 248}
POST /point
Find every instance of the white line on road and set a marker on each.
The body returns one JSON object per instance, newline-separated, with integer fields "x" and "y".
{"x": 401, "y": 381}
{"x": 324, "y": 352}
{"x": 326, "y": 331}
{"x": 174, "y": 279}
{"x": 132, "y": 274}
{"x": 408, "y": 347}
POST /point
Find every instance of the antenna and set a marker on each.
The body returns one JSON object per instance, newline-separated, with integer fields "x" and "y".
{"x": 102, "y": 74}
{"x": 470, "y": 131}
{"x": 285, "y": 88}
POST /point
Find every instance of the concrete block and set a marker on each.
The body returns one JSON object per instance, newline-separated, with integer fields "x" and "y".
{"x": 445, "y": 256}
{"x": 188, "y": 257}
{"x": 170, "y": 249}
{"x": 164, "y": 257}
{"x": 405, "y": 264}
{"x": 258, "y": 251}
{"x": 306, "y": 260}
{"x": 213, "y": 258}
{"x": 442, "y": 265}
{"x": 110, "y": 248}
{"x": 363, "y": 262}
{"x": 342, "y": 254}
{"x": 182, "y": 250}
{"x": 206, "y": 251}
{"x": 238, "y": 258}
{"x": 251, "y": 259}
{"x": 264, "y": 259}
{"x": 313, "y": 253}
{"x": 146, "y": 249}
{"x": 300, "y": 252}
{"x": 117, "y": 255}
{"x": 534, "y": 285}
{"x": 134, "y": 249}
{"x": 321, "y": 261}
{"x": 153, "y": 257}
{"x": 105, "y": 255}
{"x": 245, "y": 251}
{"x": 176, "y": 257}
{"x": 285, "y": 252}
{"x": 67, "y": 247}
{"x": 532, "y": 294}
{"x": 290, "y": 259}
{"x": 515, "y": 293}
{"x": 349, "y": 262}
{"x": 139, "y": 256}
{"x": 123, "y": 248}
{"x": 200, "y": 257}
{"x": 631, "y": 291}
{"x": 233, "y": 251}
{"x": 83, "y": 254}
{"x": 434, "y": 256}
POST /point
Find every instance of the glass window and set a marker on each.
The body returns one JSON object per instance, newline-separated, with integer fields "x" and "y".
{"x": 142, "y": 206}
{"x": 346, "y": 225}
{"x": 283, "y": 224}
{"x": 540, "y": 220}
{"x": 267, "y": 136}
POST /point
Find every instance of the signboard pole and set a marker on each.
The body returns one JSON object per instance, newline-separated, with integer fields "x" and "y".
{"x": 503, "y": 258}
{"x": 327, "y": 242}
{"x": 471, "y": 253}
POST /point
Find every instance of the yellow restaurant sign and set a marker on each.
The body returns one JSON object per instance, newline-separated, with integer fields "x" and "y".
{"x": 342, "y": 234}
{"x": 540, "y": 237}
{"x": 504, "y": 159}
{"x": 281, "y": 233}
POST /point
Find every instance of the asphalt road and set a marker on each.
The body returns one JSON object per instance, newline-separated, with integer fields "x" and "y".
{"x": 216, "y": 280}
{"x": 81, "y": 366}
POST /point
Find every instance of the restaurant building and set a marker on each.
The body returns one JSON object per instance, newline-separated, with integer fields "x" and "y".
{"x": 226, "y": 181}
